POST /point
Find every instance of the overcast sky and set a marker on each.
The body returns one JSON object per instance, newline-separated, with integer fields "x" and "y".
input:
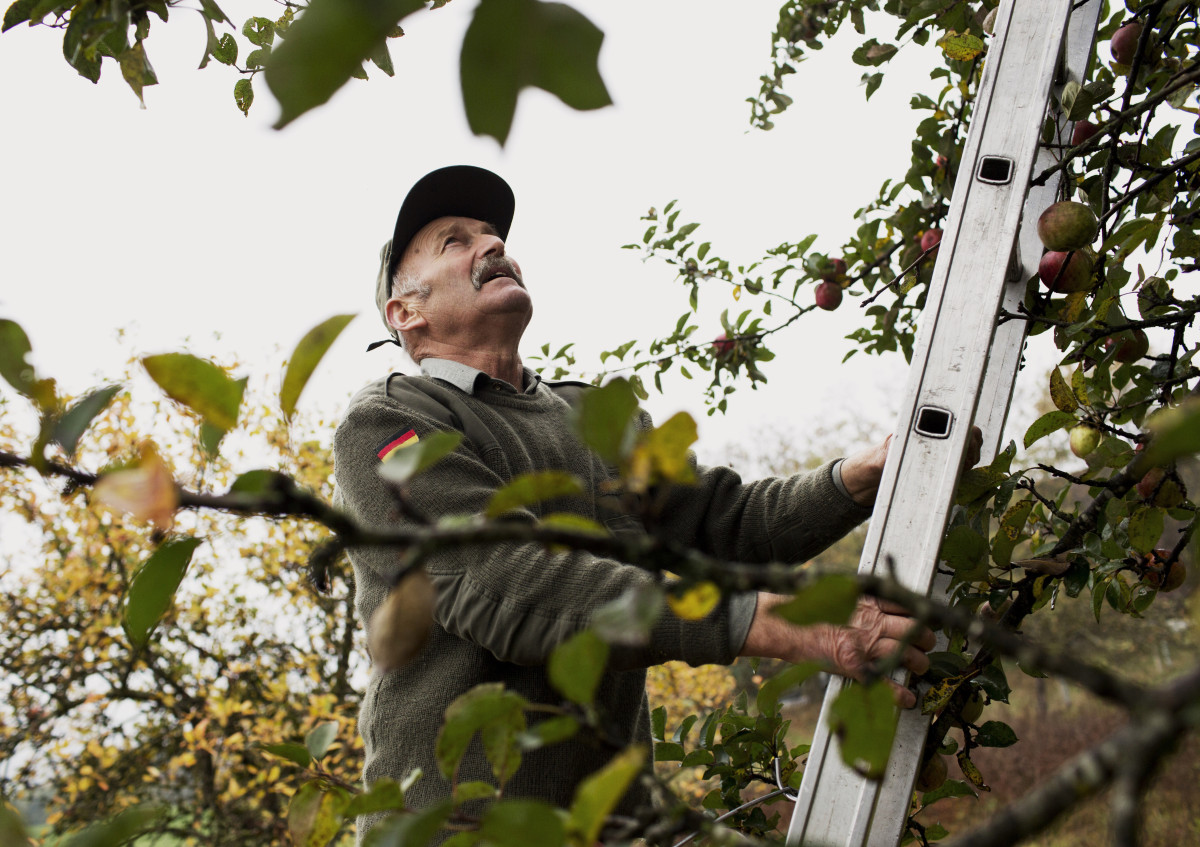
{"x": 189, "y": 226}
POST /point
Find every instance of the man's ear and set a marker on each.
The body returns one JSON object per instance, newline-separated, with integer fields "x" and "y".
{"x": 402, "y": 316}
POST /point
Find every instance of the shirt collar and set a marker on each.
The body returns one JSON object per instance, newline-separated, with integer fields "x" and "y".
{"x": 470, "y": 380}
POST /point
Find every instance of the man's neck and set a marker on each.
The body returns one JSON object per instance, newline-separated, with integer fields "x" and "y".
{"x": 498, "y": 364}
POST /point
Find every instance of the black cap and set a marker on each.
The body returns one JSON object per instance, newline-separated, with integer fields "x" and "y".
{"x": 457, "y": 191}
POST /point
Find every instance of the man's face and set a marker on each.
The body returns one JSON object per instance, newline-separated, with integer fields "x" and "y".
{"x": 474, "y": 286}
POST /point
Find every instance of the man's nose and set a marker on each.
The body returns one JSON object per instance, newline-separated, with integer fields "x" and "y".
{"x": 490, "y": 245}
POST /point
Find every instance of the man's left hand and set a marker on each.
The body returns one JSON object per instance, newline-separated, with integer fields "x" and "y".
{"x": 862, "y": 471}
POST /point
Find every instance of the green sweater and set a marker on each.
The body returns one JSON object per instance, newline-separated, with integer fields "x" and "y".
{"x": 500, "y": 610}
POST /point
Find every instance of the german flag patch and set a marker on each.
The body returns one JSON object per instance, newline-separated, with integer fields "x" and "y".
{"x": 397, "y": 442}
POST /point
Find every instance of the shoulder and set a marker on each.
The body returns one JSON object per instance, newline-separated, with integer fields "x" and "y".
{"x": 568, "y": 389}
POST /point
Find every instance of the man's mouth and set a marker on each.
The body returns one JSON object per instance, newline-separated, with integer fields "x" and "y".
{"x": 492, "y": 268}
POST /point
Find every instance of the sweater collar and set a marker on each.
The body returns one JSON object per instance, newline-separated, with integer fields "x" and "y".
{"x": 469, "y": 380}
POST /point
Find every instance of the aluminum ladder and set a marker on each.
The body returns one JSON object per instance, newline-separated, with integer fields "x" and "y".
{"x": 963, "y": 369}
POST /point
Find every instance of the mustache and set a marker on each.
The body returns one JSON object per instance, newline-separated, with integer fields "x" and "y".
{"x": 489, "y": 266}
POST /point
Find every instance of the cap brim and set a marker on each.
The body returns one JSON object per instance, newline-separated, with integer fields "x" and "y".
{"x": 457, "y": 191}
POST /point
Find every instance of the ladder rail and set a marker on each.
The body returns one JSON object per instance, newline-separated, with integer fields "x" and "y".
{"x": 835, "y": 804}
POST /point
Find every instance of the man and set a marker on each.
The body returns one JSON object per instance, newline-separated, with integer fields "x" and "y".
{"x": 449, "y": 292}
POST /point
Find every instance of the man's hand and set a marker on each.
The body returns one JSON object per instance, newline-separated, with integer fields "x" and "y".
{"x": 862, "y": 471}
{"x": 876, "y": 631}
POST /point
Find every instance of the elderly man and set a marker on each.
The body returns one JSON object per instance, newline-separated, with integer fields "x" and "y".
{"x": 450, "y": 291}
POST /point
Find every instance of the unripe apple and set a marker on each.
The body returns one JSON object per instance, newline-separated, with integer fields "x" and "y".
{"x": 1083, "y": 130}
{"x": 932, "y": 238}
{"x": 1068, "y": 226}
{"x": 1085, "y": 438}
{"x": 1077, "y": 276}
{"x": 933, "y": 773}
{"x": 829, "y": 296}
{"x": 723, "y": 345}
{"x": 1124, "y": 43}
{"x": 401, "y": 624}
{"x": 1131, "y": 346}
{"x": 972, "y": 710}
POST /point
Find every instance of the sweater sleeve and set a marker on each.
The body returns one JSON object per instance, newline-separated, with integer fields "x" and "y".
{"x": 516, "y": 600}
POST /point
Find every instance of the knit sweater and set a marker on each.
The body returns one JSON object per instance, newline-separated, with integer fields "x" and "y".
{"x": 500, "y": 610}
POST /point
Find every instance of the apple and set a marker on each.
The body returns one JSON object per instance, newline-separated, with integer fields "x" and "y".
{"x": 1083, "y": 130}
{"x": 1162, "y": 488}
{"x": 834, "y": 269}
{"x": 829, "y": 295}
{"x": 1174, "y": 577}
{"x": 1131, "y": 346}
{"x": 933, "y": 773}
{"x": 723, "y": 345}
{"x": 1077, "y": 276}
{"x": 931, "y": 239}
{"x": 401, "y": 624}
{"x": 972, "y": 710}
{"x": 1124, "y": 43}
{"x": 1085, "y": 438}
{"x": 1068, "y": 225}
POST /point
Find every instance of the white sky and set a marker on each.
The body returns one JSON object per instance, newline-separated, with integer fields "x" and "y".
{"x": 195, "y": 228}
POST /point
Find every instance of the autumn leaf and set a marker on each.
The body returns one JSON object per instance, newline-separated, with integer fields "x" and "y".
{"x": 146, "y": 491}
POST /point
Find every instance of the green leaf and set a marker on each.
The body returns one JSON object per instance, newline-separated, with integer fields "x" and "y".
{"x": 770, "y": 692}
{"x": 963, "y": 549}
{"x": 996, "y": 734}
{"x": 17, "y": 372}
{"x": 598, "y": 795}
{"x": 259, "y": 31}
{"x": 474, "y": 790}
{"x": 305, "y": 358}
{"x": 668, "y": 751}
{"x": 576, "y": 666}
{"x": 226, "y": 51}
{"x": 76, "y": 420}
{"x": 416, "y": 829}
{"x": 497, "y": 716}
{"x": 259, "y": 482}
{"x": 17, "y": 13}
{"x": 385, "y": 795}
{"x": 152, "y": 589}
{"x": 1061, "y": 393}
{"x": 315, "y": 814}
{"x": 243, "y": 95}
{"x": 949, "y": 788}
{"x": 831, "y": 599}
{"x": 604, "y": 420}
{"x": 406, "y": 463}
{"x": 531, "y": 488}
{"x": 325, "y": 47}
{"x": 320, "y": 737}
{"x": 1046, "y": 424}
{"x": 198, "y": 384}
{"x": 514, "y": 44}
{"x": 864, "y": 718}
{"x": 629, "y": 619}
{"x": 1146, "y": 527}
{"x": 550, "y": 731}
{"x": 291, "y": 751}
{"x": 382, "y": 59}
{"x": 121, "y": 829}
{"x": 1176, "y": 433}
{"x": 523, "y": 823}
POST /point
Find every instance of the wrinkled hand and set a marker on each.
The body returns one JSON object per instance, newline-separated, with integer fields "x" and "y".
{"x": 876, "y": 631}
{"x": 862, "y": 471}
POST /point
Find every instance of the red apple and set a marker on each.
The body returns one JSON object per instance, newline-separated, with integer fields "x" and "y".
{"x": 723, "y": 345}
{"x": 1083, "y": 130}
{"x": 1068, "y": 226}
{"x": 1161, "y": 577}
{"x": 932, "y": 238}
{"x": 1131, "y": 346}
{"x": 1125, "y": 41}
{"x": 1077, "y": 276}
{"x": 829, "y": 295}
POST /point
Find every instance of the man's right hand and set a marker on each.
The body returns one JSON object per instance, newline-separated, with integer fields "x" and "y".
{"x": 876, "y": 631}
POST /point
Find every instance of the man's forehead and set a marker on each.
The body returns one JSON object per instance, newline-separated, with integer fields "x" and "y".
{"x": 438, "y": 226}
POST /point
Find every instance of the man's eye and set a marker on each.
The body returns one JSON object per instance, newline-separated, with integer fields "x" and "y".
{"x": 450, "y": 239}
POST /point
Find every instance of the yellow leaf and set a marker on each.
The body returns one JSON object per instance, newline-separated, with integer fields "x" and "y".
{"x": 1061, "y": 393}
{"x": 696, "y": 602}
{"x": 962, "y": 47}
{"x": 146, "y": 491}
